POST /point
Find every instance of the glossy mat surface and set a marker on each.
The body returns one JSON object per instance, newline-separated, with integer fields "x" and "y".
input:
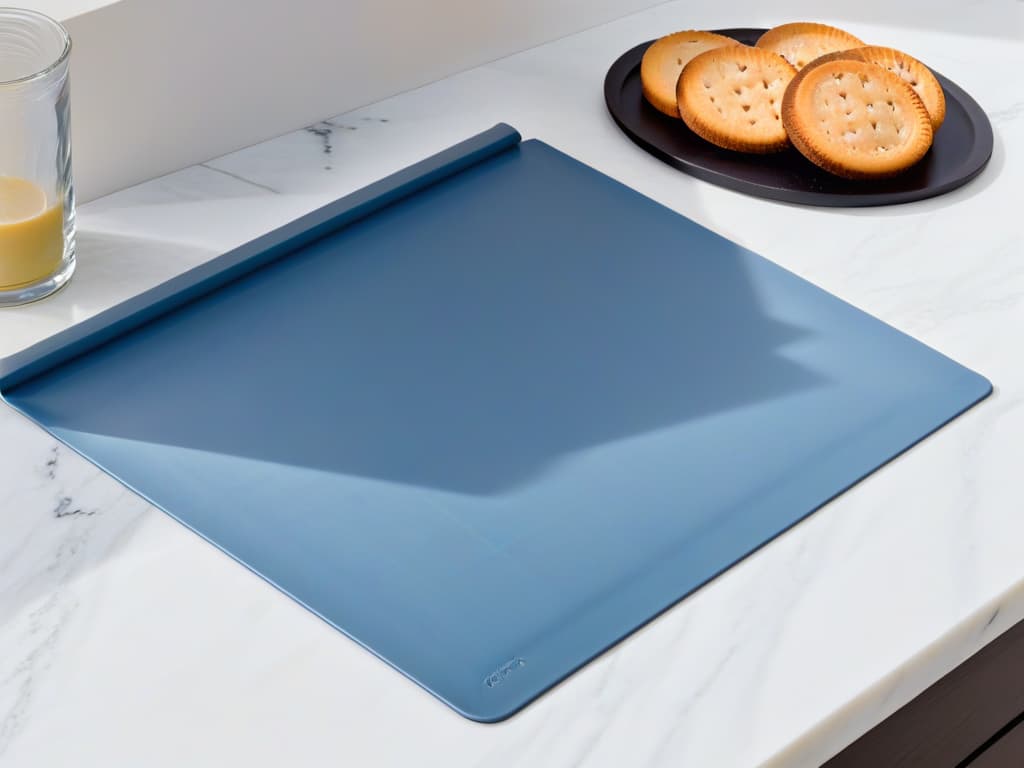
{"x": 497, "y": 425}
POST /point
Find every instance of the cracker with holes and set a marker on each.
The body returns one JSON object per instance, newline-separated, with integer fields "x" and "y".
{"x": 665, "y": 58}
{"x": 802, "y": 42}
{"x": 916, "y": 74}
{"x": 856, "y": 119}
{"x": 733, "y": 98}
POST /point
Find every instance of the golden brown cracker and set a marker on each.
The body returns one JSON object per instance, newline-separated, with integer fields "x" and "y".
{"x": 733, "y": 98}
{"x": 665, "y": 58}
{"x": 856, "y": 119}
{"x": 916, "y": 74}
{"x": 802, "y": 42}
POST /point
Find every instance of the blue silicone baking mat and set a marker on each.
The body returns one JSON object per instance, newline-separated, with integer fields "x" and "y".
{"x": 490, "y": 415}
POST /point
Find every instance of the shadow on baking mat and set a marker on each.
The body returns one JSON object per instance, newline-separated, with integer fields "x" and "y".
{"x": 495, "y": 415}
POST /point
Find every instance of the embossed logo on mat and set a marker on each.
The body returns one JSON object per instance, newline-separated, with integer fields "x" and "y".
{"x": 501, "y": 674}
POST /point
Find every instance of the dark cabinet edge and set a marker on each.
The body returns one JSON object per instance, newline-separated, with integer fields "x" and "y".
{"x": 1005, "y": 751}
{"x": 957, "y": 720}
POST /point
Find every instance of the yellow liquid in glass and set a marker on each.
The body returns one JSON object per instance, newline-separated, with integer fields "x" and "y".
{"x": 31, "y": 235}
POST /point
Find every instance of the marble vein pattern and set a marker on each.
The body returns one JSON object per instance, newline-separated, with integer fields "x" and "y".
{"x": 126, "y": 640}
{"x": 59, "y": 519}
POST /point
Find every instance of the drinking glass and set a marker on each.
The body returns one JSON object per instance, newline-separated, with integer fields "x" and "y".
{"x": 37, "y": 199}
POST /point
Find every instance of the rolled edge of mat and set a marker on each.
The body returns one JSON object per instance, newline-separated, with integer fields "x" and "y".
{"x": 221, "y": 270}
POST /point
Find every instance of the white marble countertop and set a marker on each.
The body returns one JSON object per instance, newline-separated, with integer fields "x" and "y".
{"x": 125, "y": 640}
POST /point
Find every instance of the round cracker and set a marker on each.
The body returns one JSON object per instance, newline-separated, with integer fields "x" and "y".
{"x": 733, "y": 98}
{"x": 856, "y": 119}
{"x": 802, "y": 42}
{"x": 916, "y": 74}
{"x": 665, "y": 58}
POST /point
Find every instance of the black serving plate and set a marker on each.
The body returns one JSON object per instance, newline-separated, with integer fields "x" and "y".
{"x": 961, "y": 150}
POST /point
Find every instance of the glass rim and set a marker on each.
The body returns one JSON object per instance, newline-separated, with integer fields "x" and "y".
{"x": 26, "y": 12}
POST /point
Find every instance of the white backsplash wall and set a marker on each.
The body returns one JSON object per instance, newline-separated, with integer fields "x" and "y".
{"x": 158, "y": 85}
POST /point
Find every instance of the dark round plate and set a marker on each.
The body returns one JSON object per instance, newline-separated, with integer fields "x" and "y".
{"x": 962, "y": 147}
